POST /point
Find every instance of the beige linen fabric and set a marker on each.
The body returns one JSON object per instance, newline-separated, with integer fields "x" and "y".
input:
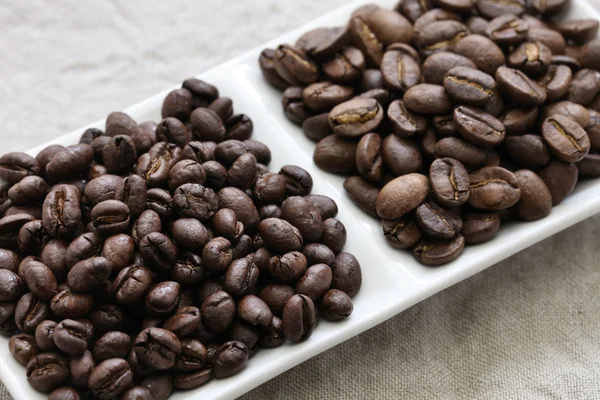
{"x": 527, "y": 328}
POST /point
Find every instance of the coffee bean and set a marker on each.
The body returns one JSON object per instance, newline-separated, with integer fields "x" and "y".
{"x": 23, "y": 348}
{"x": 405, "y": 123}
{"x": 299, "y": 318}
{"x": 507, "y": 30}
{"x": 366, "y": 40}
{"x": 207, "y": 125}
{"x": 363, "y": 193}
{"x": 47, "y": 371}
{"x": 110, "y": 217}
{"x": 240, "y": 277}
{"x": 156, "y": 348}
{"x": 195, "y": 201}
{"x": 449, "y": 182}
{"x": 579, "y": 30}
{"x": 111, "y": 378}
{"x": 67, "y": 304}
{"x": 560, "y": 179}
{"x": 493, "y": 189}
{"x": 401, "y": 195}
{"x": 293, "y": 105}
{"x": 569, "y": 109}
{"x": 434, "y": 15}
{"x": 239, "y": 127}
{"x": 399, "y": 70}
{"x": 439, "y": 36}
{"x": 241, "y": 204}
{"x": 551, "y": 38}
{"x": 39, "y": 279}
{"x": 346, "y": 67}
{"x": 556, "y": 81}
{"x": 547, "y": 8}
{"x": 229, "y": 359}
{"x": 437, "y": 65}
{"x": 119, "y": 154}
{"x": 61, "y": 213}
{"x": 494, "y": 8}
{"x": 535, "y": 201}
{"x": 478, "y": 127}
{"x": 254, "y": 311}
{"x": 317, "y": 127}
{"x": 347, "y": 274}
{"x": 355, "y": 117}
{"x": 300, "y": 212}
{"x": 293, "y": 65}
{"x": 217, "y": 312}
{"x": 289, "y": 267}
{"x": 16, "y": 166}
{"x": 519, "y": 88}
{"x": 528, "y": 151}
{"x": 336, "y": 155}
{"x": 370, "y": 79}
{"x": 315, "y": 281}
{"x": 584, "y": 86}
{"x": 486, "y": 54}
{"x": 438, "y": 252}
{"x": 323, "y": 96}
{"x": 426, "y": 98}
{"x": 533, "y": 58}
{"x": 480, "y": 228}
{"x": 243, "y": 172}
{"x": 336, "y": 305}
{"x": 566, "y": 138}
{"x": 275, "y": 296}
{"x": 469, "y": 86}
{"x": 71, "y": 337}
{"x": 401, "y": 233}
{"x": 267, "y": 66}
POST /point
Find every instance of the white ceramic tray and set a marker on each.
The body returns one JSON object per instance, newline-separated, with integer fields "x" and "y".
{"x": 392, "y": 280}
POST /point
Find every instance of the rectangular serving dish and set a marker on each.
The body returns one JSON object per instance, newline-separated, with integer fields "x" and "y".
{"x": 392, "y": 280}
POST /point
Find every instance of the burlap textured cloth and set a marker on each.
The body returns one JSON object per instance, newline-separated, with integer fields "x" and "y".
{"x": 527, "y": 328}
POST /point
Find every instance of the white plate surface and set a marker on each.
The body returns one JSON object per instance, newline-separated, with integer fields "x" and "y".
{"x": 392, "y": 280}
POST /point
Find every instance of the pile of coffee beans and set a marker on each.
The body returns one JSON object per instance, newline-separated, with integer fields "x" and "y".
{"x": 450, "y": 116}
{"x": 150, "y": 257}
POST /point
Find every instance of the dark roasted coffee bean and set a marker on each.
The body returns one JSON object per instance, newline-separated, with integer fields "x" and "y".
{"x": 401, "y": 233}
{"x": 569, "y": 109}
{"x": 301, "y": 213}
{"x": 29, "y": 312}
{"x": 363, "y": 193}
{"x": 437, "y": 222}
{"x": 293, "y": 105}
{"x": 110, "y": 379}
{"x": 439, "y": 36}
{"x": 486, "y": 54}
{"x": 229, "y": 359}
{"x": 47, "y": 371}
{"x": 560, "y": 179}
{"x": 110, "y": 216}
{"x": 579, "y": 31}
{"x": 533, "y": 58}
{"x": 323, "y": 43}
{"x": 556, "y": 81}
{"x": 346, "y": 274}
{"x": 480, "y": 228}
{"x": 70, "y": 162}
{"x": 279, "y": 235}
{"x": 195, "y": 200}
{"x": 119, "y": 251}
{"x": 158, "y": 251}
{"x": 566, "y": 138}
{"x": 254, "y": 311}
{"x": 157, "y": 348}
{"x": 102, "y": 188}
{"x": 493, "y": 189}
{"x": 23, "y": 348}
{"x": 469, "y": 86}
{"x": 240, "y": 277}
{"x": 369, "y": 160}
{"x": 449, "y": 181}
{"x": 44, "y": 156}
{"x": 426, "y": 98}
{"x": 535, "y": 201}
{"x": 267, "y": 67}
{"x": 193, "y": 356}
{"x": 589, "y": 166}
{"x": 366, "y": 40}
{"x": 528, "y": 151}
{"x": 207, "y": 125}
{"x": 173, "y": 130}
{"x": 434, "y": 15}
{"x": 288, "y": 267}
{"x": 323, "y": 96}
{"x": 32, "y": 237}
{"x": 112, "y": 344}
{"x": 81, "y": 368}
{"x": 243, "y": 172}
{"x": 203, "y": 93}
{"x": 82, "y": 247}
{"x": 61, "y": 213}
{"x": 242, "y": 205}
{"x": 336, "y": 305}
{"x": 29, "y": 190}
{"x": 225, "y": 224}
{"x": 584, "y": 87}
{"x": 71, "y": 337}
{"x": 217, "y": 312}
{"x": 217, "y": 254}
{"x": 294, "y": 66}
{"x": 239, "y": 127}
{"x": 507, "y": 30}
{"x": 223, "y": 107}
{"x": 88, "y": 274}
{"x": 9, "y": 260}
{"x": 519, "y": 88}
{"x": 356, "y": 117}
{"x": 119, "y": 154}
{"x": 275, "y": 296}
{"x": 298, "y": 318}
{"x": 437, "y": 65}
{"x": 478, "y": 127}
{"x": 160, "y": 201}
{"x": 16, "y": 166}
{"x": 402, "y": 195}
{"x": 551, "y": 38}
{"x": 326, "y": 206}
{"x": 336, "y": 155}
{"x": 317, "y": 127}
{"x": 315, "y": 281}
{"x": 270, "y": 188}
{"x": 39, "y": 279}
{"x": 298, "y": 181}
{"x": 568, "y": 61}
{"x": 370, "y": 79}
{"x": 401, "y": 156}
{"x": 405, "y": 123}
{"x": 438, "y": 252}
{"x": 399, "y": 70}
{"x": 346, "y": 67}
{"x": 177, "y": 104}
{"x": 137, "y": 393}
{"x": 131, "y": 284}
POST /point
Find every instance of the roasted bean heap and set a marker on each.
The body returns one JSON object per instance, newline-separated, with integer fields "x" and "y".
{"x": 152, "y": 256}
{"x": 448, "y": 117}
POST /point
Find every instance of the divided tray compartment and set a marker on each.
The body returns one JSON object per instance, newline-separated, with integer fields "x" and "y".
{"x": 392, "y": 279}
